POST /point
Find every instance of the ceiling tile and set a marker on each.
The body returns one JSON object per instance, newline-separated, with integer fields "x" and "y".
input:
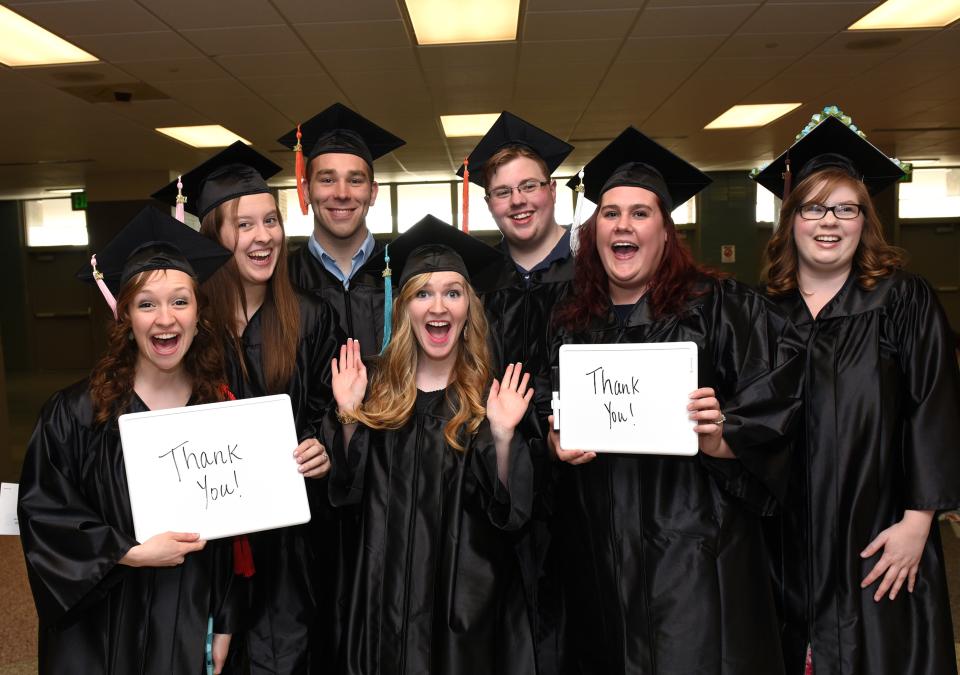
{"x": 305, "y": 11}
{"x": 92, "y": 17}
{"x": 347, "y": 62}
{"x": 167, "y": 70}
{"x": 671, "y": 21}
{"x": 806, "y": 17}
{"x": 500, "y": 56}
{"x": 246, "y": 40}
{"x": 264, "y": 65}
{"x": 773, "y": 45}
{"x": 577, "y": 25}
{"x": 661, "y": 49}
{"x": 600, "y": 53}
{"x": 353, "y": 34}
{"x": 158, "y": 45}
{"x": 189, "y": 14}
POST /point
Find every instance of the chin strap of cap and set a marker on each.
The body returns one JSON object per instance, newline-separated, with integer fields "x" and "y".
{"x": 387, "y": 300}
{"x": 301, "y": 167}
{"x": 102, "y": 285}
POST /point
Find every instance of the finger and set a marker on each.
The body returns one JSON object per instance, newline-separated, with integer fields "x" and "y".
{"x": 507, "y": 372}
{"x": 875, "y": 545}
{"x": 349, "y": 353}
{"x": 356, "y": 353}
{"x": 898, "y": 583}
{"x": 307, "y": 467}
{"x": 707, "y": 403}
{"x": 515, "y": 378}
{"x": 495, "y": 388}
{"x": 702, "y": 392}
{"x": 319, "y": 472}
{"x": 528, "y": 395}
{"x": 586, "y": 457}
{"x": 707, "y": 429}
{"x": 912, "y": 579}
{"x": 887, "y": 582}
{"x": 343, "y": 356}
{"x": 524, "y": 382}
{"x": 876, "y": 572}
{"x": 184, "y": 536}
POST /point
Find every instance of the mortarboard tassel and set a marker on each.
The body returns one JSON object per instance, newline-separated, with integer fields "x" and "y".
{"x": 181, "y": 200}
{"x": 787, "y": 179}
{"x": 577, "y": 215}
{"x": 101, "y": 284}
{"x": 465, "y": 215}
{"x": 242, "y": 554}
{"x": 301, "y": 169}
{"x": 387, "y": 300}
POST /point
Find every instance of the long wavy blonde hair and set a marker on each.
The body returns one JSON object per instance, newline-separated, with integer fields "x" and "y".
{"x": 393, "y": 389}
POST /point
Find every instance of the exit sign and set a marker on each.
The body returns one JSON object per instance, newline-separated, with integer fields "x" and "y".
{"x": 78, "y": 200}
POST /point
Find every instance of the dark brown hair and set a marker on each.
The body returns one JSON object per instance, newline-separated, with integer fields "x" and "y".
{"x": 672, "y": 284}
{"x": 874, "y": 258}
{"x": 508, "y": 154}
{"x": 111, "y": 384}
{"x": 279, "y": 314}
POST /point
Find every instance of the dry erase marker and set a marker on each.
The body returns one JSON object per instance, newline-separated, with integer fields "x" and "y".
{"x": 555, "y": 399}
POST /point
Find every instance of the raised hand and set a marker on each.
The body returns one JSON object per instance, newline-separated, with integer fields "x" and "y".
{"x": 349, "y": 377}
{"x": 167, "y": 549}
{"x": 508, "y": 401}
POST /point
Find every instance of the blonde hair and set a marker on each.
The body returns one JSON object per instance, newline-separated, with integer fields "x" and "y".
{"x": 393, "y": 389}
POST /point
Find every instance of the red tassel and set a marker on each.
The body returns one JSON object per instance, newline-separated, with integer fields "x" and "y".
{"x": 227, "y": 394}
{"x": 301, "y": 167}
{"x": 243, "y": 557}
{"x": 465, "y": 215}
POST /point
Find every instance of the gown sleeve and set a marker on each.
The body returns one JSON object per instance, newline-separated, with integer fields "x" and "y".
{"x": 931, "y": 395}
{"x": 72, "y": 555}
{"x": 507, "y": 506}
{"x": 347, "y": 463}
{"x": 321, "y": 344}
{"x": 759, "y": 359}
{"x": 230, "y": 592}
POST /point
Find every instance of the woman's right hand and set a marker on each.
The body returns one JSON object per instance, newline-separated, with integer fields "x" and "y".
{"x": 163, "y": 550}
{"x": 349, "y": 377}
{"x": 568, "y": 456}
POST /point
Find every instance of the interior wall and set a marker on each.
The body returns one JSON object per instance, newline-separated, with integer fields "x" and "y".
{"x": 14, "y": 323}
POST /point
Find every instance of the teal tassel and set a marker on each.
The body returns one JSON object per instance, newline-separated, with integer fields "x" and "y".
{"x": 209, "y": 646}
{"x": 387, "y": 300}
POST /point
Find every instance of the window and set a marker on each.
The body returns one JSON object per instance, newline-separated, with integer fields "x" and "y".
{"x": 416, "y": 200}
{"x": 766, "y": 211}
{"x": 379, "y": 217}
{"x": 933, "y": 193}
{"x": 53, "y": 222}
{"x": 480, "y": 218}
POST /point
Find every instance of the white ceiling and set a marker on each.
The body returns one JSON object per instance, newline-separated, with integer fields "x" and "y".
{"x": 666, "y": 66}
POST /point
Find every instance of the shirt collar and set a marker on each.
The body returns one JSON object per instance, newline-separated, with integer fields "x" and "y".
{"x": 330, "y": 264}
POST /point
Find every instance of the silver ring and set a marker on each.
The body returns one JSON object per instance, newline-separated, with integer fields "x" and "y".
{"x": 723, "y": 418}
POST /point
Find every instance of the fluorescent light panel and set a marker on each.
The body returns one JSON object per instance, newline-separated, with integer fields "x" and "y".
{"x": 754, "y": 115}
{"x": 444, "y": 22}
{"x": 203, "y": 136}
{"x": 899, "y": 14}
{"x": 461, "y": 126}
{"x": 24, "y": 43}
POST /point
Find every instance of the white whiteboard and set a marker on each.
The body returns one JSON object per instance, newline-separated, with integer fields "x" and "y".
{"x": 628, "y": 398}
{"x": 219, "y": 469}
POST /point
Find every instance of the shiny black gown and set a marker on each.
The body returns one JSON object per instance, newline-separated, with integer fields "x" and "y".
{"x": 880, "y": 435}
{"x": 359, "y": 308}
{"x": 427, "y": 593}
{"x": 666, "y": 569}
{"x": 96, "y": 615}
{"x": 291, "y": 606}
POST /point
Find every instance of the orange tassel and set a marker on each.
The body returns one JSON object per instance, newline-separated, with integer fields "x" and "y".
{"x": 301, "y": 168}
{"x": 465, "y": 215}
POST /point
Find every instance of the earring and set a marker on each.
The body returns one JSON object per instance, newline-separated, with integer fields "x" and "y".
{"x": 130, "y": 336}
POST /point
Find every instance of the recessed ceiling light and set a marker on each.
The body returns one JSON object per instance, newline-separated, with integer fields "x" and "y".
{"x": 898, "y": 14}
{"x": 24, "y": 43}
{"x": 442, "y": 22}
{"x": 460, "y": 126}
{"x": 203, "y": 136}
{"x": 754, "y": 115}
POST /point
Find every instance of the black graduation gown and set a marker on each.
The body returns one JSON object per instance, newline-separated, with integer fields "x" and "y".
{"x": 518, "y": 310}
{"x": 879, "y": 436}
{"x": 665, "y": 557}
{"x": 291, "y": 606}
{"x": 428, "y": 594}
{"x": 360, "y": 308}
{"x": 96, "y": 615}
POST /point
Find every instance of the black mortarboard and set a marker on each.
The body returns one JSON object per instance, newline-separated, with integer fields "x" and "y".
{"x": 235, "y": 171}
{"x": 511, "y": 130}
{"x": 830, "y": 143}
{"x": 635, "y": 160}
{"x": 338, "y": 129}
{"x": 154, "y": 240}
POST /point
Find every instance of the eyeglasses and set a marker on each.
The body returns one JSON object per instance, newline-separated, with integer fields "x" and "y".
{"x": 527, "y": 187}
{"x": 819, "y": 211}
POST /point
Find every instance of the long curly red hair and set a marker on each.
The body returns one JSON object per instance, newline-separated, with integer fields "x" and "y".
{"x": 111, "y": 384}
{"x": 672, "y": 284}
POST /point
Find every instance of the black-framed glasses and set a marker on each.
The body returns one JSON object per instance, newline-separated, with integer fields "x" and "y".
{"x": 815, "y": 211}
{"x": 527, "y": 187}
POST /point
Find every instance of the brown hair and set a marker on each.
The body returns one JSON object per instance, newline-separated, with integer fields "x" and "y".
{"x": 508, "y": 154}
{"x": 393, "y": 389}
{"x": 111, "y": 384}
{"x": 279, "y": 314}
{"x": 874, "y": 258}
{"x": 671, "y": 285}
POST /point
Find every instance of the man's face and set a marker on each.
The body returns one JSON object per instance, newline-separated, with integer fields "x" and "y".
{"x": 523, "y": 218}
{"x": 341, "y": 193}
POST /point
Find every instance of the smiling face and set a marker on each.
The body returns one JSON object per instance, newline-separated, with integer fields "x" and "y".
{"x": 630, "y": 240}
{"x": 341, "y": 192}
{"x": 524, "y": 219}
{"x": 255, "y": 237}
{"x": 829, "y": 244}
{"x": 163, "y": 318}
{"x": 438, "y": 313}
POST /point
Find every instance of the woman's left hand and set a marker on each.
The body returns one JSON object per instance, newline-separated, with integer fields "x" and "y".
{"x": 312, "y": 459}
{"x": 221, "y": 645}
{"x": 705, "y": 411}
{"x": 508, "y": 400}
{"x": 902, "y": 545}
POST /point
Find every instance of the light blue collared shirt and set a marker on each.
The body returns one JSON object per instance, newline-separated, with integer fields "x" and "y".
{"x": 359, "y": 258}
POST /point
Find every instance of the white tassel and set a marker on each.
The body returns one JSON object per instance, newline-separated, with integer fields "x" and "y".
{"x": 577, "y": 216}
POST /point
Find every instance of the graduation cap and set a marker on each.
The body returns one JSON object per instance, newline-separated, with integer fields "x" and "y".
{"x": 829, "y": 142}
{"x": 338, "y": 129}
{"x": 233, "y": 172}
{"x": 511, "y": 130}
{"x": 429, "y": 246}
{"x": 153, "y": 240}
{"x": 635, "y": 160}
